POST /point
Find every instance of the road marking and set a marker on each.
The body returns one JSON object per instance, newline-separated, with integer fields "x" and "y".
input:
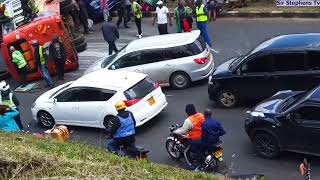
{"x": 169, "y": 95}
{"x": 214, "y": 50}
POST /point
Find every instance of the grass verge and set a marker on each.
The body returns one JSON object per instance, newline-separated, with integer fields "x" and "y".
{"x": 25, "y": 157}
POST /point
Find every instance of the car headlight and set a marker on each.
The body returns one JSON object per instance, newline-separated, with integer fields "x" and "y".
{"x": 33, "y": 105}
{"x": 257, "y": 114}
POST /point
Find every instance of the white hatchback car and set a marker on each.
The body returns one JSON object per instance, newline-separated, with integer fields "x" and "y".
{"x": 88, "y": 100}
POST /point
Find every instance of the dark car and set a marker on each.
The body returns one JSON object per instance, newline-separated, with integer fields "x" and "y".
{"x": 288, "y": 121}
{"x": 284, "y": 62}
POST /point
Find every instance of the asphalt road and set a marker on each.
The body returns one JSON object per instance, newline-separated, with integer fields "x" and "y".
{"x": 230, "y": 37}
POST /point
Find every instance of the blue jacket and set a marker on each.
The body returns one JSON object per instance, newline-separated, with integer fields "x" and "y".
{"x": 7, "y": 123}
{"x": 127, "y": 127}
{"x": 211, "y": 131}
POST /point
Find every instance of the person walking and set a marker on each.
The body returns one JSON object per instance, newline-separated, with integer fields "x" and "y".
{"x": 110, "y": 34}
{"x": 128, "y": 11}
{"x": 57, "y": 52}
{"x": 20, "y": 61}
{"x": 41, "y": 61}
{"x": 83, "y": 16}
{"x": 121, "y": 14}
{"x": 182, "y": 16}
{"x": 162, "y": 14}
{"x": 7, "y": 122}
{"x": 201, "y": 13}
{"x": 212, "y": 5}
{"x": 136, "y": 10}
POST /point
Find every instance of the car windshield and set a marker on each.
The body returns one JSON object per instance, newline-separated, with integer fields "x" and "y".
{"x": 61, "y": 89}
{"x": 291, "y": 101}
{"x": 235, "y": 62}
{"x": 140, "y": 90}
{"x": 109, "y": 59}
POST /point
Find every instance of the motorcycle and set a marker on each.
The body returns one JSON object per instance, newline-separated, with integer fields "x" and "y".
{"x": 177, "y": 146}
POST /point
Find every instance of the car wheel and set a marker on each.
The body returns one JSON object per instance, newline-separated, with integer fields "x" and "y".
{"x": 78, "y": 40}
{"x": 81, "y": 47}
{"x": 180, "y": 80}
{"x": 266, "y": 145}
{"x": 45, "y": 119}
{"x": 172, "y": 149}
{"x": 227, "y": 98}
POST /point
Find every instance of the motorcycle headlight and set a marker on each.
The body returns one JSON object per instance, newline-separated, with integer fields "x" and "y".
{"x": 208, "y": 159}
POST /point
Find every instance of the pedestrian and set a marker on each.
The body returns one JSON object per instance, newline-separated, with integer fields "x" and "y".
{"x": 110, "y": 34}
{"x": 57, "y": 52}
{"x": 212, "y": 5}
{"x": 83, "y": 16}
{"x": 121, "y": 14}
{"x": 182, "y": 16}
{"x": 8, "y": 98}
{"x": 201, "y": 14}
{"x": 7, "y": 123}
{"x": 136, "y": 10}
{"x": 21, "y": 63}
{"x": 41, "y": 61}
{"x": 162, "y": 15}
{"x": 128, "y": 11}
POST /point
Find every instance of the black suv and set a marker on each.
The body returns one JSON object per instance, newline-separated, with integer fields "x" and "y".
{"x": 284, "y": 62}
{"x": 288, "y": 121}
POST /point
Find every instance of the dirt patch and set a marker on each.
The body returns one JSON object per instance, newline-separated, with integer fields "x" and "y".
{"x": 9, "y": 170}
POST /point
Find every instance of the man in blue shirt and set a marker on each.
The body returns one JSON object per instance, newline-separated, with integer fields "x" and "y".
{"x": 211, "y": 130}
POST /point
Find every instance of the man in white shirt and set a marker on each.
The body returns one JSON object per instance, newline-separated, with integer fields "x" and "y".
{"x": 162, "y": 16}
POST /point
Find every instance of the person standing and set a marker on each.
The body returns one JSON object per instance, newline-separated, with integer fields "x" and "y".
{"x": 212, "y": 5}
{"x": 7, "y": 122}
{"x": 181, "y": 15}
{"x": 41, "y": 62}
{"x": 136, "y": 10}
{"x": 19, "y": 60}
{"x": 201, "y": 13}
{"x": 162, "y": 15}
{"x": 110, "y": 34}
{"x": 57, "y": 52}
{"x": 121, "y": 14}
{"x": 83, "y": 16}
{"x": 128, "y": 11}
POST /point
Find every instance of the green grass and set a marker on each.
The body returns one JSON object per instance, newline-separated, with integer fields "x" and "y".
{"x": 270, "y": 6}
{"x": 31, "y": 158}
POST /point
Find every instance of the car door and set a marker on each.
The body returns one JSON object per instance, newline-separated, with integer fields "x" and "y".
{"x": 253, "y": 79}
{"x": 290, "y": 69}
{"x": 313, "y": 66}
{"x": 155, "y": 65}
{"x": 129, "y": 62}
{"x": 304, "y": 128}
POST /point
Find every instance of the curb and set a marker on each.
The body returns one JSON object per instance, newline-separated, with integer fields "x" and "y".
{"x": 257, "y": 14}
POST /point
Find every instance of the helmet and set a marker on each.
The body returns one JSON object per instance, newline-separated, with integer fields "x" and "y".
{"x": 207, "y": 112}
{"x": 120, "y": 105}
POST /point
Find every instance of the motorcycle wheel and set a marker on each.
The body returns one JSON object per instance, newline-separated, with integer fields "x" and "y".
{"x": 172, "y": 149}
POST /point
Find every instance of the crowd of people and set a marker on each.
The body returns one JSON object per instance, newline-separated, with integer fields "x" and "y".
{"x": 202, "y": 12}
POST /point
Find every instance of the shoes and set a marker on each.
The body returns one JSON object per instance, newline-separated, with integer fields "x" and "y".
{"x": 126, "y": 26}
{"x": 129, "y": 22}
{"x": 140, "y": 36}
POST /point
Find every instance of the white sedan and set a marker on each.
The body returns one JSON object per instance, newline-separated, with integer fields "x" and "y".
{"x": 88, "y": 100}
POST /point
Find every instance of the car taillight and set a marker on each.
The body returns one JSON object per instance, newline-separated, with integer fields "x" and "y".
{"x": 200, "y": 60}
{"x": 131, "y": 102}
{"x": 156, "y": 85}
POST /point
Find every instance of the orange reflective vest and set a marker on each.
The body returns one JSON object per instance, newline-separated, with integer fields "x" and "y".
{"x": 197, "y": 120}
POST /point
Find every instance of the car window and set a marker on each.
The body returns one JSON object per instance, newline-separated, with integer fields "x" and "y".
{"x": 176, "y": 53}
{"x": 314, "y": 60}
{"x": 152, "y": 56}
{"x": 257, "y": 64}
{"x": 140, "y": 90}
{"x": 131, "y": 59}
{"x": 309, "y": 113}
{"x": 289, "y": 62}
{"x": 85, "y": 94}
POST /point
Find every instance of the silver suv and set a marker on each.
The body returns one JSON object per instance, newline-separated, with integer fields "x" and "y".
{"x": 172, "y": 60}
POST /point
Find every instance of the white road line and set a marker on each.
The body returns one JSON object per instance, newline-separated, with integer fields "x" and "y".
{"x": 214, "y": 50}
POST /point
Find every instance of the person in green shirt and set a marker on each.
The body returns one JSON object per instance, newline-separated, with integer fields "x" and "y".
{"x": 182, "y": 13}
{"x": 19, "y": 60}
{"x": 136, "y": 11}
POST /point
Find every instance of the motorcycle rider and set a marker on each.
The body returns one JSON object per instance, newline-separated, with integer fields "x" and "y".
{"x": 192, "y": 127}
{"x": 211, "y": 131}
{"x": 121, "y": 128}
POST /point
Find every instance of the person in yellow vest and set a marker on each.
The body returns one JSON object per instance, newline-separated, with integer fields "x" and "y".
{"x": 201, "y": 14}
{"x": 21, "y": 63}
{"x": 41, "y": 60}
{"x": 137, "y": 13}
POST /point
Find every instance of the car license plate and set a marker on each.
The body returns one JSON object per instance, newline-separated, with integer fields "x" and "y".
{"x": 151, "y": 101}
{"x": 218, "y": 154}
